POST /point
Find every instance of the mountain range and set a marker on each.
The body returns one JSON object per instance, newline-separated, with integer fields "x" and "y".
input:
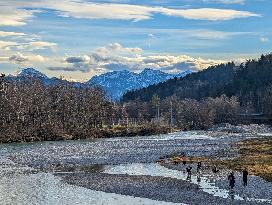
{"x": 115, "y": 83}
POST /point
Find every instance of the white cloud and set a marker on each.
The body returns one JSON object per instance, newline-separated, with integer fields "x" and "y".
{"x": 210, "y": 14}
{"x": 117, "y": 48}
{"x": 83, "y": 9}
{"x": 13, "y": 14}
{"x": 4, "y": 59}
{"x": 20, "y": 58}
{"x": 7, "y": 34}
{"x": 5, "y": 45}
{"x": 205, "y": 34}
{"x": 40, "y": 45}
{"x": 27, "y": 46}
{"x": 264, "y": 39}
{"x": 107, "y": 61}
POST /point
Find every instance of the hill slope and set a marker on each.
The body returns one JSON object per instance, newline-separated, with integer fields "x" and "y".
{"x": 207, "y": 83}
{"x": 251, "y": 82}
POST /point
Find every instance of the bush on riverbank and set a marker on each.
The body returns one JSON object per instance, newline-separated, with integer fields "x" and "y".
{"x": 121, "y": 131}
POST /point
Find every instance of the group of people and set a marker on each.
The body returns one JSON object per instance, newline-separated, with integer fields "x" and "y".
{"x": 231, "y": 177}
{"x": 189, "y": 170}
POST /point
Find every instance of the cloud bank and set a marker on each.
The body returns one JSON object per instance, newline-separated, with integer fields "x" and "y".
{"x": 20, "y": 58}
{"x": 111, "y": 58}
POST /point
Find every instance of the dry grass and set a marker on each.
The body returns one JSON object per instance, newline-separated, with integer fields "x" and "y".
{"x": 255, "y": 155}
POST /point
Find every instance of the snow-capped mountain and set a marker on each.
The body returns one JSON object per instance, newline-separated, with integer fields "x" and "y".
{"x": 117, "y": 83}
{"x": 31, "y": 72}
{"x": 47, "y": 81}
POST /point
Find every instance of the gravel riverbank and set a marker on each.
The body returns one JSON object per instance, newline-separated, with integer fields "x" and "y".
{"x": 156, "y": 188}
{"x": 146, "y": 181}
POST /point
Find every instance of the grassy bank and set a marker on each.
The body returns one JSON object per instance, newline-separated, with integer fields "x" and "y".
{"x": 255, "y": 155}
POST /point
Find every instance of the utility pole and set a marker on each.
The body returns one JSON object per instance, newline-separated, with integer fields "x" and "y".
{"x": 159, "y": 112}
{"x": 171, "y": 113}
{"x": 156, "y": 104}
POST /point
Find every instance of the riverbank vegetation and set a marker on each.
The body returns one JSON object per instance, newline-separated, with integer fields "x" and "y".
{"x": 31, "y": 111}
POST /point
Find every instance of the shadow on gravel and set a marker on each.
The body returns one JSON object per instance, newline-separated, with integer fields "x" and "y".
{"x": 152, "y": 187}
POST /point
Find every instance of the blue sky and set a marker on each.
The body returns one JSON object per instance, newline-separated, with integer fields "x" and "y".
{"x": 81, "y": 38}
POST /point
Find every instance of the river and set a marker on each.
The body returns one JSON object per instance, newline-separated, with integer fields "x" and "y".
{"x": 128, "y": 172}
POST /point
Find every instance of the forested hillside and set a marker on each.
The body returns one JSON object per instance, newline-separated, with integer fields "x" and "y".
{"x": 207, "y": 83}
{"x": 251, "y": 82}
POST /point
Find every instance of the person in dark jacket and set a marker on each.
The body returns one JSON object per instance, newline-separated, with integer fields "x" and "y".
{"x": 199, "y": 165}
{"x": 189, "y": 172}
{"x": 245, "y": 174}
{"x": 214, "y": 169}
{"x": 231, "y": 179}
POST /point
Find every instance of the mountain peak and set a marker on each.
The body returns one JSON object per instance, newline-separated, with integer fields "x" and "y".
{"x": 31, "y": 72}
{"x": 150, "y": 70}
{"x": 147, "y": 70}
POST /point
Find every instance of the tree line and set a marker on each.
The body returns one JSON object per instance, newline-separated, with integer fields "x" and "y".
{"x": 29, "y": 109}
{"x": 186, "y": 114}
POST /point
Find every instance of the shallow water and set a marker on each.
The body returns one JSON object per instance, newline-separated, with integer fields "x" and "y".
{"x": 155, "y": 169}
{"x": 189, "y": 135}
{"x": 18, "y": 187}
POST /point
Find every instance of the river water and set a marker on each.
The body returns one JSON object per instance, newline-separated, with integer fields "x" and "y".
{"x": 27, "y": 171}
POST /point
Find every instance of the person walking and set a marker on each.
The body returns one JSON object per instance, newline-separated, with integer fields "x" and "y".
{"x": 184, "y": 160}
{"x": 231, "y": 179}
{"x": 189, "y": 172}
{"x": 214, "y": 169}
{"x": 245, "y": 175}
{"x": 199, "y": 165}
